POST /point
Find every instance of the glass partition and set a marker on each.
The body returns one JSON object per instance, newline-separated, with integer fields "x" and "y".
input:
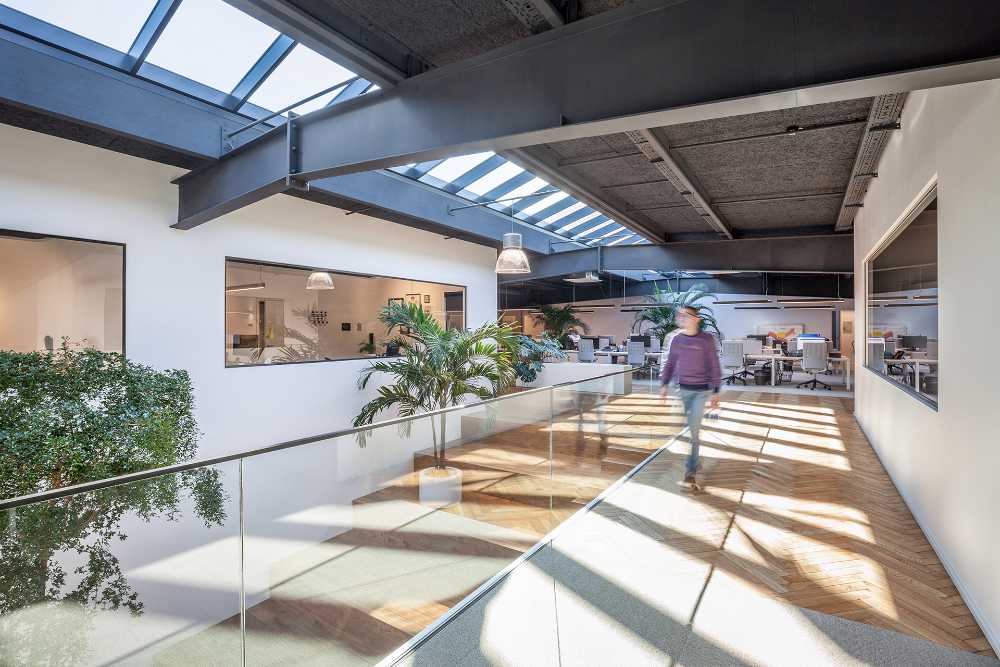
{"x": 284, "y": 314}
{"x": 902, "y": 305}
{"x": 337, "y": 549}
{"x": 146, "y": 572}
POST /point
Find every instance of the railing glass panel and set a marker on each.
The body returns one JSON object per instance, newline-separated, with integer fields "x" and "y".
{"x": 142, "y": 573}
{"x": 336, "y": 549}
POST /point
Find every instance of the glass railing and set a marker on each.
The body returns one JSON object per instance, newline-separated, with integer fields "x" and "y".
{"x": 336, "y": 549}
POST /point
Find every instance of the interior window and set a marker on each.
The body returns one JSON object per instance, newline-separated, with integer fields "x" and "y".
{"x": 54, "y": 290}
{"x": 902, "y": 302}
{"x": 281, "y": 315}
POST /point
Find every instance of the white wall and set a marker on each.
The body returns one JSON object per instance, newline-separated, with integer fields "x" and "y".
{"x": 174, "y": 279}
{"x": 945, "y": 462}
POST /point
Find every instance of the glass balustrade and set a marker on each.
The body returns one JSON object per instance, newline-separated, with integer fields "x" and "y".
{"x": 339, "y": 549}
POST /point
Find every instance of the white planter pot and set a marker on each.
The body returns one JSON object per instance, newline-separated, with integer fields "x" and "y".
{"x": 440, "y": 487}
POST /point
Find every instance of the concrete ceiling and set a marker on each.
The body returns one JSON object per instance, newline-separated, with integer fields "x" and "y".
{"x": 446, "y": 31}
{"x": 757, "y": 175}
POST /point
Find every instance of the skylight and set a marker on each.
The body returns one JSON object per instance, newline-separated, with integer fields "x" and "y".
{"x": 577, "y": 223}
{"x": 559, "y": 215}
{"x": 454, "y": 167}
{"x": 213, "y": 43}
{"x": 114, "y": 23}
{"x": 544, "y": 203}
{"x": 532, "y": 186}
{"x": 500, "y": 175}
{"x": 302, "y": 73}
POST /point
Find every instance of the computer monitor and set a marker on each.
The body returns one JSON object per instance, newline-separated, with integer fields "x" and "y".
{"x": 640, "y": 339}
{"x": 914, "y": 342}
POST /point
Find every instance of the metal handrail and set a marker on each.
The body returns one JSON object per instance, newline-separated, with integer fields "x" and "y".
{"x": 62, "y": 492}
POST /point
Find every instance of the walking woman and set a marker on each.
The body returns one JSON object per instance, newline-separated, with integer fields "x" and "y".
{"x": 694, "y": 361}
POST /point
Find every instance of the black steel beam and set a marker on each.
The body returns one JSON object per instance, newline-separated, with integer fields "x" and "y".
{"x": 804, "y": 254}
{"x": 46, "y": 82}
{"x": 151, "y": 30}
{"x": 640, "y": 66}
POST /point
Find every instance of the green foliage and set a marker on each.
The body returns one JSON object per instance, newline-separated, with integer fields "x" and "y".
{"x": 438, "y": 366}
{"x": 559, "y": 323}
{"x": 532, "y": 354}
{"x": 366, "y": 347}
{"x": 73, "y": 416}
{"x": 662, "y": 310}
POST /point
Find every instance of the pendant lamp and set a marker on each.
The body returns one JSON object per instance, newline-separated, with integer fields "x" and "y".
{"x": 319, "y": 280}
{"x": 512, "y": 258}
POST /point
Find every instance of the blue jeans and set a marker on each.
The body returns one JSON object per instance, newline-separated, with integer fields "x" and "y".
{"x": 694, "y": 407}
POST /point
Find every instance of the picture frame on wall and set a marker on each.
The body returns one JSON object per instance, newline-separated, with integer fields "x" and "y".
{"x": 781, "y": 330}
{"x": 427, "y": 298}
{"x": 397, "y": 300}
{"x": 414, "y": 298}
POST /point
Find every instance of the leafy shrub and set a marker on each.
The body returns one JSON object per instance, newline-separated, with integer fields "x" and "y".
{"x": 76, "y": 415}
{"x": 531, "y": 356}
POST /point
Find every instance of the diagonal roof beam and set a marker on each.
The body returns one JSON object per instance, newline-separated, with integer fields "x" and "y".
{"x": 765, "y": 56}
{"x": 659, "y": 156}
{"x": 109, "y": 108}
{"x": 264, "y": 66}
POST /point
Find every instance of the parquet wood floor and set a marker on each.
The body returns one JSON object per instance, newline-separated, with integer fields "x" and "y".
{"x": 795, "y": 503}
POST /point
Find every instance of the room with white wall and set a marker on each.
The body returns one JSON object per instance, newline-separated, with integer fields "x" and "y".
{"x": 944, "y": 461}
{"x": 174, "y": 280}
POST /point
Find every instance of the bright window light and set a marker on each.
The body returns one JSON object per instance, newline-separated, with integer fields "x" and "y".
{"x": 612, "y": 232}
{"x": 531, "y": 186}
{"x": 301, "y": 74}
{"x": 576, "y": 223}
{"x": 454, "y": 167}
{"x": 501, "y": 174}
{"x": 212, "y": 43}
{"x": 624, "y": 238}
{"x": 114, "y": 23}
{"x": 559, "y": 215}
{"x": 594, "y": 229}
{"x": 542, "y": 204}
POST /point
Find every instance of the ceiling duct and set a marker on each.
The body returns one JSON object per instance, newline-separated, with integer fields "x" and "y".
{"x": 588, "y": 278}
{"x": 882, "y": 120}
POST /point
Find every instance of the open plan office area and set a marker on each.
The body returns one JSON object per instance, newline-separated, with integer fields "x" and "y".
{"x": 536, "y": 332}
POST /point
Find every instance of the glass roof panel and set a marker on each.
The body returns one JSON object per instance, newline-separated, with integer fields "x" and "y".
{"x": 559, "y": 215}
{"x": 541, "y": 204}
{"x": 619, "y": 240}
{"x": 212, "y": 43}
{"x": 593, "y": 229}
{"x": 454, "y": 167}
{"x": 618, "y": 230}
{"x": 577, "y": 223}
{"x": 491, "y": 180}
{"x": 302, "y": 73}
{"x": 114, "y": 23}
{"x": 532, "y": 186}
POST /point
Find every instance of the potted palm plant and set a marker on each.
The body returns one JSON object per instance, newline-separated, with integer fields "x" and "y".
{"x": 559, "y": 323}
{"x": 437, "y": 368}
{"x": 660, "y": 314}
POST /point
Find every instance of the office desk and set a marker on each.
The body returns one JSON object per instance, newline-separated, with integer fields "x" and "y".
{"x": 843, "y": 361}
{"x": 916, "y": 367}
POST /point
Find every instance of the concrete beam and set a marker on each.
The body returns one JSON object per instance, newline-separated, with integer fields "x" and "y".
{"x": 637, "y": 67}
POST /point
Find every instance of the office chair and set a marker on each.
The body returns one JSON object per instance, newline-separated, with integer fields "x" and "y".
{"x": 603, "y": 342}
{"x": 636, "y": 353}
{"x": 585, "y": 351}
{"x": 814, "y": 362}
{"x": 732, "y": 360}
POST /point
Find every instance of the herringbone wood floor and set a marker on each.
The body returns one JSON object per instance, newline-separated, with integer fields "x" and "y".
{"x": 794, "y": 502}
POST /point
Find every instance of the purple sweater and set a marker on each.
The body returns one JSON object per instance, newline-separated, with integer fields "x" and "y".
{"x": 695, "y": 362}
